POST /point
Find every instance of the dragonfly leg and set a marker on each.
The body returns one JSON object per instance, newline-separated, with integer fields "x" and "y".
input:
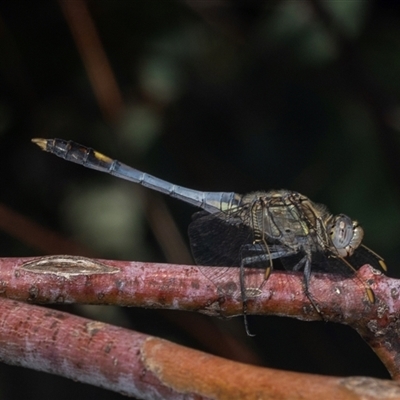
{"x": 306, "y": 260}
{"x": 257, "y": 255}
{"x": 244, "y": 298}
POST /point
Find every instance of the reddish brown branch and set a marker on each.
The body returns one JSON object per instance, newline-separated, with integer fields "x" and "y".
{"x": 35, "y": 235}
{"x": 66, "y": 279}
{"x": 93, "y": 55}
{"x": 146, "y": 367}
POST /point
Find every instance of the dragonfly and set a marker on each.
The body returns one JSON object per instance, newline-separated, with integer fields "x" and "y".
{"x": 249, "y": 231}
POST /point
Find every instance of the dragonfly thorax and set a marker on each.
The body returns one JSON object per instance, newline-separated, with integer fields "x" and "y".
{"x": 298, "y": 224}
{"x": 289, "y": 219}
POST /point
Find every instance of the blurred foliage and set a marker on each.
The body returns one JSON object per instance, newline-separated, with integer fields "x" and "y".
{"x": 228, "y": 95}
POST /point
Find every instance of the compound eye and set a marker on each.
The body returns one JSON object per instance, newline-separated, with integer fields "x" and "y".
{"x": 342, "y": 232}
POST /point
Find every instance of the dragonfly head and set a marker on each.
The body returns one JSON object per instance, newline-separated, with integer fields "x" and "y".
{"x": 346, "y": 235}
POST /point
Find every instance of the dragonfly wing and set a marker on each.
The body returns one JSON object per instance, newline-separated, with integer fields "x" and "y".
{"x": 216, "y": 239}
{"x": 222, "y": 240}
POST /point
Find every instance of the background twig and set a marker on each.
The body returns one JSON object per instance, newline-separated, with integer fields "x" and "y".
{"x": 149, "y": 368}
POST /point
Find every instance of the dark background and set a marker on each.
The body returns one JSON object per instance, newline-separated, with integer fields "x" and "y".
{"x": 217, "y": 96}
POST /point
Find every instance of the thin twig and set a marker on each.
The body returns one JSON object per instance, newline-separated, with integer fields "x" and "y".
{"x": 139, "y": 365}
{"x": 36, "y": 236}
{"x": 99, "y": 70}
